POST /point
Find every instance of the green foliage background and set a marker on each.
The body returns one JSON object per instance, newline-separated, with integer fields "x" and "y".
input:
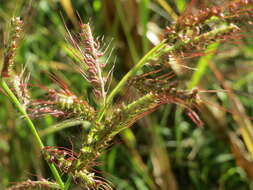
{"x": 165, "y": 150}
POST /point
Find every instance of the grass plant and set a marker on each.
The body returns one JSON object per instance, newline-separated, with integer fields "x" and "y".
{"x": 77, "y": 116}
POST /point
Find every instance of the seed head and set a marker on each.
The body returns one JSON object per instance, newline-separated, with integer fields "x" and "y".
{"x": 10, "y": 51}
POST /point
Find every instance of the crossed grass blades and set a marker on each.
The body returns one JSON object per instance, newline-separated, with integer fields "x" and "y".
{"x": 188, "y": 37}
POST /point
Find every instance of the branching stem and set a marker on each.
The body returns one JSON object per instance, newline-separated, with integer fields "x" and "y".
{"x": 161, "y": 48}
{"x": 123, "y": 81}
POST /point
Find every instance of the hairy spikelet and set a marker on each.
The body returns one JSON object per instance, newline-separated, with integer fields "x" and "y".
{"x": 192, "y": 33}
{"x": 153, "y": 96}
{"x": 72, "y": 106}
{"x": 89, "y": 181}
{"x": 89, "y": 55}
{"x": 186, "y": 44}
{"x": 92, "y": 54}
{"x": 127, "y": 115}
{"x": 180, "y": 48}
{"x": 9, "y": 53}
{"x": 145, "y": 83}
{"x": 63, "y": 103}
{"x": 35, "y": 185}
{"x": 190, "y": 24}
{"x": 61, "y": 157}
{"x": 66, "y": 161}
{"x": 155, "y": 92}
{"x": 20, "y": 86}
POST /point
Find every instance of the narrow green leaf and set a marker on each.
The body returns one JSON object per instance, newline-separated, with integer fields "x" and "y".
{"x": 203, "y": 64}
{"x": 144, "y": 16}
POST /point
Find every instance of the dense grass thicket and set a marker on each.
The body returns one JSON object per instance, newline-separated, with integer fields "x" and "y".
{"x": 126, "y": 94}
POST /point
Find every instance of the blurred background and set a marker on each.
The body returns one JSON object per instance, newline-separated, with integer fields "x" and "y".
{"x": 164, "y": 151}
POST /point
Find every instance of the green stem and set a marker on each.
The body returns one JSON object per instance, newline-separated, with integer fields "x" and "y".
{"x": 204, "y": 37}
{"x": 168, "y": 9}
{"x": 31, "y": 127}
{"x": 202, "y": 65}
{"x": 130, "y": 40}
{"x": 68, "y": 182}
{"x": 63, "y": 125}
{"x": 144, "y": 18}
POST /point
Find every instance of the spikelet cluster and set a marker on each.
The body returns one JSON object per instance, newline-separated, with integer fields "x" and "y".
{"x": 231, "y": 11}
{"x": 91, "y": 57}
{"x": 20, "y": 87}
{"x": 192, "y": 33}
{"x": 154, "y": 92}
{"x": 65, "y": 105}
{"x": 88, "y": 180}
{"x": 190, "y": 25}
{"x": 13, "y": 42}
{"x": 66, "y": 161}
{"x": 35, "y": 185}
{"x": 61, "y": 157}
{"x": 62, "y": 103}
{"x": 87, "y": 50}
